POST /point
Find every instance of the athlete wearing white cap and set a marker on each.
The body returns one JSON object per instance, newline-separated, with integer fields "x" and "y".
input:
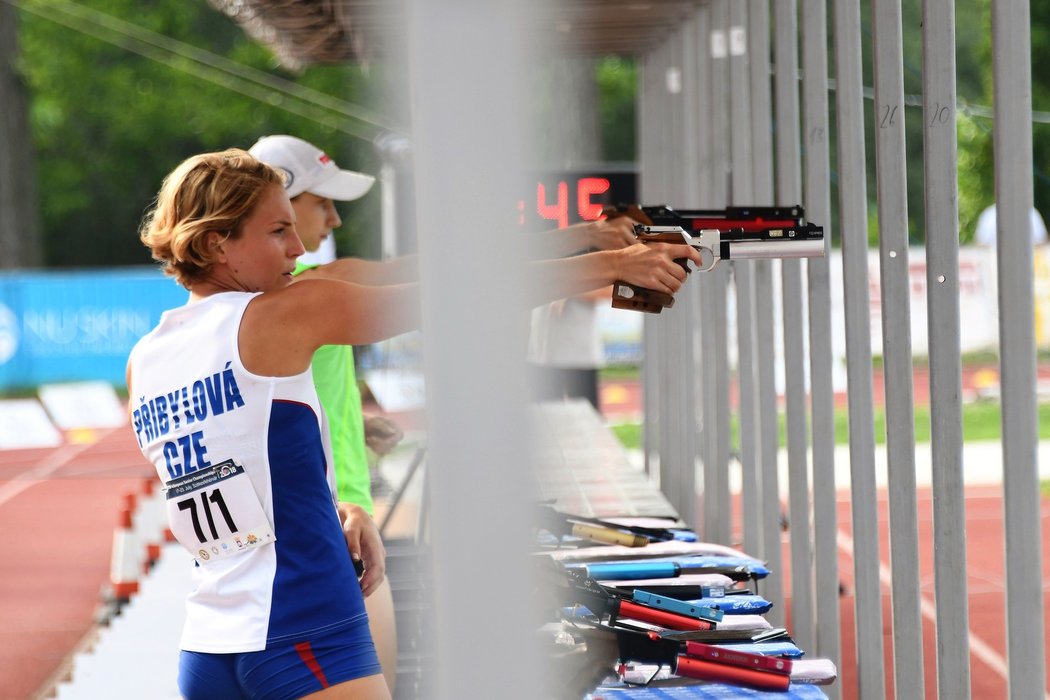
{"x": 309, "y": 170}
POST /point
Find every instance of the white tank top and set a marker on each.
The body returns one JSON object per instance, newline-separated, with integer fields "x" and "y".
{"x": 247, "y": 469}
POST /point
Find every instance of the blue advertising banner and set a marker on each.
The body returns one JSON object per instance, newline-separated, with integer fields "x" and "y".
{"x": 77, "y": 325}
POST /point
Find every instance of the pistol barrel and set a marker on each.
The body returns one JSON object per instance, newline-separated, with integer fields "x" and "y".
{"x": 749, "y": 250}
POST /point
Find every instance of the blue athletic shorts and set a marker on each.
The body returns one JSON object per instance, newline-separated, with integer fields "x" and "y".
{"x": 282, "y": 671}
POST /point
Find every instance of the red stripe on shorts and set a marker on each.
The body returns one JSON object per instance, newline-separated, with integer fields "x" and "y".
{"x": 307, "y": 655}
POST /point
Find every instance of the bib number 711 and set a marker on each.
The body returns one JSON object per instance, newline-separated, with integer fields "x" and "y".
{"x": 215, "y": 512}
{"x": 207, "y": 499}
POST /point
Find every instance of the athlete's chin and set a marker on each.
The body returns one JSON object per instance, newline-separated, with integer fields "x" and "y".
{"x": 285, "y": 280}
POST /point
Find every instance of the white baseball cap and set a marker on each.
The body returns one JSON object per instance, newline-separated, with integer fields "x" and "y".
{"x": 309, "y": 169}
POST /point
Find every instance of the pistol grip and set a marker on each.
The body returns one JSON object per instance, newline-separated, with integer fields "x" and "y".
{"x": 633, "y": 298}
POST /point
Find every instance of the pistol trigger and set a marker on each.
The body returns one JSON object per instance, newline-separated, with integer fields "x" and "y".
{"x": 707, "y": 259}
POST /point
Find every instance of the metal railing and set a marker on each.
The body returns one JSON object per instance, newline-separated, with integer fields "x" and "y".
{"x": 721, "y": 101}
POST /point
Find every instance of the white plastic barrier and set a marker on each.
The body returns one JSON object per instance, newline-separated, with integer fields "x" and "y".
{"x": 137, "y": 655}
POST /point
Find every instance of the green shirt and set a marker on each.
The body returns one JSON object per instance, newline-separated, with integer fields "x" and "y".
{"x": 336, "y": 384}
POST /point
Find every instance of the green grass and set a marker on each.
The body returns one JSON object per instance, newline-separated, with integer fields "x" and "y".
{"x": 19, "y": 393}
{"x": 978, "y": 357}
{"x": 629, "y": 434}
{"x": 32, "y": 392}
{"x": 620, "y": 372}
{"x": 981, "y": 421}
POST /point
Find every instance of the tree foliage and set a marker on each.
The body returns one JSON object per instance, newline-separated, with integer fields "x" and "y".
{"x": 970, "y": 32}
{"x": 19, "y": 227}
{"x": 617, "y": 78}
{"x": 975, "y": 128}
{"x": 109, "y": 123}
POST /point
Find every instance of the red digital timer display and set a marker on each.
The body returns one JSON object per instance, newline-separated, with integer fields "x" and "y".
{"x": 570, "y": 198}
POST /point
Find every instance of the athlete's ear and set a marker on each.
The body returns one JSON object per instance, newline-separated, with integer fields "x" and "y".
{"x": 216, "y": 242}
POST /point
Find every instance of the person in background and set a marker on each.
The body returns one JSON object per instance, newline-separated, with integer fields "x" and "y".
{"x": 565, "y": 348}
{"x": 565, "y": 351}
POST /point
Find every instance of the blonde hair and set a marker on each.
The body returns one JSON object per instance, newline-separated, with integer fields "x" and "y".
{"x": 205, "y": 193}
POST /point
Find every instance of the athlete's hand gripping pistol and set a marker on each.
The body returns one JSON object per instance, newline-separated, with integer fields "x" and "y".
{"x": 735, "y": 233}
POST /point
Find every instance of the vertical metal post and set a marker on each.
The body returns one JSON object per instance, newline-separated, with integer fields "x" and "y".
{"x": 671, "y": 453}
{"x": 789, "y": 191}
{"x": 762, "y": 169}
{"x": 822, "y": 398}
{"x": 717, "y": 509}
{"x": 1012, "y": 74}
{"x": 849, "y": 102}
{"x": 892, "y": 179}
{"x": 741, "y": 193}
{"x": 649, "y": 176}
{"x": 669, "y": 409}
{"x": 468, "y": 126}
{"x": 704, "y": 293}
{"x": 673, "y": 346}
{"x": 942, "y": 289}
{"x": 682, "y": 319}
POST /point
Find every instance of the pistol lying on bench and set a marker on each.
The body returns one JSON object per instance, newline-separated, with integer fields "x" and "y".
{"x": 734, "y": 233}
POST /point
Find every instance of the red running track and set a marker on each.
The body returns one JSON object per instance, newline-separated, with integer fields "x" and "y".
{"x": 986, "y": 586}
{"x": 58, "y": 510}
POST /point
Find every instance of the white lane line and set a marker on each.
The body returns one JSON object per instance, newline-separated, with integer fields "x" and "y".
{"x": 48, "y": 466}
{"x": 978, "y": 647}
